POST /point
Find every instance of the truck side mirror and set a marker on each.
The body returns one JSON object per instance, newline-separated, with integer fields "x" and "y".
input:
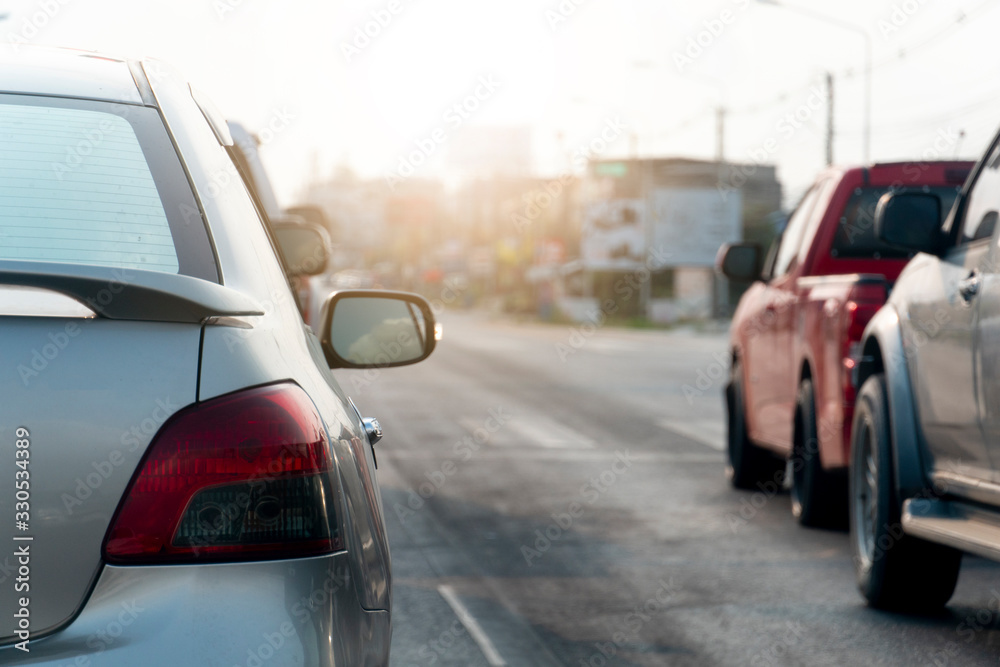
{"x": 740, "y": 262}
{"x": 303, "y": 245}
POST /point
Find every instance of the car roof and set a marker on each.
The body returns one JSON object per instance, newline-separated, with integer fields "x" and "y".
{"x": 61, "y": 72}
{"x": 897, "y": 166}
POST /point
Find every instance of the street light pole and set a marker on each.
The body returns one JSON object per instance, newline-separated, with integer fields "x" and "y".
{"x": 720, "y": 132}
{"x": 868, "y": 61}
{"x": 720, "y": 116}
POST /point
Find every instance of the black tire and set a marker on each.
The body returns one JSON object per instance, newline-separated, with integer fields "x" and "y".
{"x": 895, "y": 571}
{"x": 748, "y": 464}
{"x": 819, "y": 498}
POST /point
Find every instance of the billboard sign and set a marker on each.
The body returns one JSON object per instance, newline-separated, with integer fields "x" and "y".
{"x": 691, "y": 223}
{"x": 614, "y": 236}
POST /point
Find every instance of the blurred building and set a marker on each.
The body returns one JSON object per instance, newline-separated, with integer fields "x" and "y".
{"x": 394, "y": 231}
{"x": 651, "y": 229}
{"x": 356, "y": 209}
{"x": 479, "y": 152}
{"x": 630, "y": 238}
{"x": 416, "y": 231}
{"x": 515, "y": 227}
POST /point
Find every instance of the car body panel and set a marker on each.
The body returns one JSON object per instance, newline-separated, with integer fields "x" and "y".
{"x": 236, "y": 357}
{"x": 885, "y": 352}
{"x": 201, "y": 613}
{"x": 274, "y": 345}
{"x": 199, "y": 616}
{"x": 91, "y": 393}
{"x": 929, "y": 342}
{"x": 796, "y": 323}
{"x": 768, "y": 364}
{"x": 939, "y": 328}
{"x": 985, "y": 269}
{"x": 987, "y": 358}
{"x": 822, "y": 314}
{"x": 64, "y": 73}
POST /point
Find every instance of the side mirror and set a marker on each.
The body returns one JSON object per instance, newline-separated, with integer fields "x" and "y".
{"x": 740, "y": 262}
{"x": 376, "y": 329}
{"x": 303, "y": 245}
{"x": 909, "y": 220}
{"x": 315, "y": 215}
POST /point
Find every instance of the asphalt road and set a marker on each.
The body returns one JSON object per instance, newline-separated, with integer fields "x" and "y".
{"x": 555, "y": 496}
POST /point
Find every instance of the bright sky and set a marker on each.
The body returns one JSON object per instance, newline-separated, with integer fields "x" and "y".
{"x": 561, "y": 74}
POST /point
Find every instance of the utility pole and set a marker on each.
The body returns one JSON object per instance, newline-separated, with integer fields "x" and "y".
{"x": 958, "y": 144}
{"x": 720, "y": 131}
{"x": 867, "y": 143}
{"x": 829, "y": 119}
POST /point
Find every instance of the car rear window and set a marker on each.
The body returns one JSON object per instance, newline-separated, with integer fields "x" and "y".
{"x": 856, "y": 236}
{"x": 99, "y": 184}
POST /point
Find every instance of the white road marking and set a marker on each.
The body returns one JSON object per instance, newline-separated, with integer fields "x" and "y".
{"x": 488, "y": 344}
{"x": 547, "y": 432}
{"x": 710, "y": 432}
{"x": 474, "y": 424}
{"x": 610, "y": 346}
{"x": 568, "y": 455}
{"x": 530, "y": 430}
{"x": 472, "y": 625}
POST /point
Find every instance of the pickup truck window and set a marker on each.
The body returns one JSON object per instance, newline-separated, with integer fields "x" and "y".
{"x": 980, "y": 217}
{"x": 856, "y": 238}
{"x": 791, "y": 238}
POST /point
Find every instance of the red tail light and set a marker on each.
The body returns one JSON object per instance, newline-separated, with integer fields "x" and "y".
{"x": 865, "y": 300}
{"x": 241, "y": 477}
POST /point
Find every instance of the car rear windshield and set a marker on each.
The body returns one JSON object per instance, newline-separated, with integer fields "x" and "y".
{"x": 856, "y": 236}
{"x": 84, "y": 182}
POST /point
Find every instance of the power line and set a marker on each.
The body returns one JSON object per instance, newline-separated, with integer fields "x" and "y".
{"x": 782, "y": 98}
{"x": 705, "y": 113}
{"x": 935, "y": 121}
{"x": 962, "y": 17}
{"x": 777, "y": 100}
{"x": 959, "y": 22}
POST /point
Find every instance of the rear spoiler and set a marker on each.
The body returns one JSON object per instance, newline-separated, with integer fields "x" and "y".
{"x": 132, "y": 294}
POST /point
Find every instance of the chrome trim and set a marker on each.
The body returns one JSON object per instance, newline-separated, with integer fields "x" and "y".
{"x": 967, "y": 487}
{"x": 18, "y": 301}
{"x": 373, "y": 429}
{"x": 953, "y": 523}
{"x": 819, "y": 281}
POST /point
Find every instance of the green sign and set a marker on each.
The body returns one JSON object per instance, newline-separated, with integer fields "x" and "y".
{"x": 613, "y": 169}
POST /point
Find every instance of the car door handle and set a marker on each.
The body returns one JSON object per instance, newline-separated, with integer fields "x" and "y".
{"x": 968, "y": 289}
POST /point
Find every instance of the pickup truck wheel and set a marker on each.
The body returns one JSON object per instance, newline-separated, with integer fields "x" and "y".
{"x": 819, "y": 498}
{"x": 894, "y": 570}
{"x": 748, "y": 464}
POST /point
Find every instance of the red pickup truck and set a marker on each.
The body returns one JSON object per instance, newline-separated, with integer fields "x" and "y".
{"x": 794, "y": 340}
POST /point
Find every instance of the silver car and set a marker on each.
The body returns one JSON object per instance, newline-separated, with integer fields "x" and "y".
{"x": 182, "y": 480}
